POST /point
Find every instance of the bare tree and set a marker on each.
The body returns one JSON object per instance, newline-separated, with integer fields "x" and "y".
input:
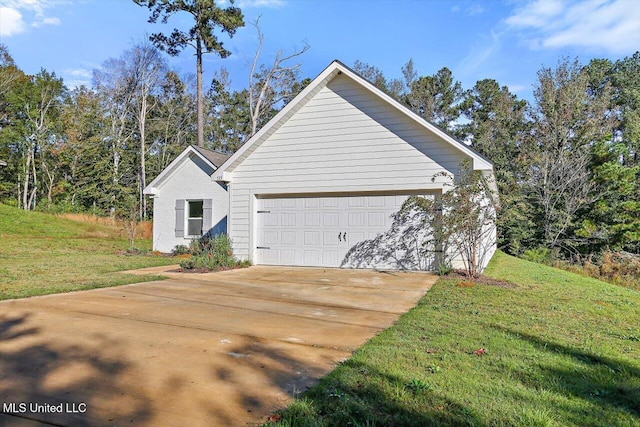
{"x": 268, "y": 86}
{"x": 146, "y": 69}
{"x": 116, "y": 94}
{"x": 561, "y": 185}
{"x": 39, "y": 100}
{"x": 462, "y": 221}
{"x": 568, "y": 119}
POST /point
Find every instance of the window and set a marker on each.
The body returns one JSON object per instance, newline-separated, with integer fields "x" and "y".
{"x": 194, "y": 220}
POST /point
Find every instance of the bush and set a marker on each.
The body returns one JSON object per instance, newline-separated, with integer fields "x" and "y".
{"x": 620, "y": 268}
{"x": 540, "y": 255}
{"x": 617, "y": 267}
{"x": 180, "y": 250}
{"x": 212, "y": 253}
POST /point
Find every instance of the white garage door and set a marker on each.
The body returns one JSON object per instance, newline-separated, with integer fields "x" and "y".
{"x": 354, "y": 231}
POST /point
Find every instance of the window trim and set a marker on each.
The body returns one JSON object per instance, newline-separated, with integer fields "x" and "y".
{"x": 188, "y": 217}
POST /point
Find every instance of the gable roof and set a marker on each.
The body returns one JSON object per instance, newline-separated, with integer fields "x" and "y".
{"x": 3, "y": 163}
{"x": 213, "y": 158}
{"x": 216, "y": 158}
{"x": 223, "y": 173}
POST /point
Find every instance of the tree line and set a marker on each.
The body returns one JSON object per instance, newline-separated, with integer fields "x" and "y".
{"x": 567, "y": 163}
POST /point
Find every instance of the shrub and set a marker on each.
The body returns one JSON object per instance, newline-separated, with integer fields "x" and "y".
{"x": 620, "y": 268}
{"x": 212, "y": 253}
{"x": 443, "y": 269}
{"x": 617, "y": 267}
{"x": 180, "y": 250}
{"x": 540, "y": 255}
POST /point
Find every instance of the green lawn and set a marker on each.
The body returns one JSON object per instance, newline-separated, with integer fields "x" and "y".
{"x": 42, "y": 254}
{"x": 561, "y": 349}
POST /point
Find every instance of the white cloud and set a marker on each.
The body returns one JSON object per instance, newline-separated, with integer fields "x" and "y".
{"x": 14, "y": 13}
{"x": 515, "y": 88}
{"x": 76, "y": 77}
{"x": 479, "y": 54}
{"x": 11, "y": 22}
{"x": 605, "y": 25}
{"x": 469, "y": 8}
{"x": 47, "y": 21}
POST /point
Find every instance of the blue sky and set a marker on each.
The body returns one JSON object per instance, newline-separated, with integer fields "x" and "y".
{"x": 506, "y": 40}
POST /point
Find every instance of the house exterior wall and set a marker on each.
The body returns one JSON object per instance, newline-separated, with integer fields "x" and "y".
{"x": 345, "y": 140}
{"x": 190, "y": 181}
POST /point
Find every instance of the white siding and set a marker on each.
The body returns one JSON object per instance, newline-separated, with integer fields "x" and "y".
{"x": 190, "y": 180}
{"x": 344, "y": 140}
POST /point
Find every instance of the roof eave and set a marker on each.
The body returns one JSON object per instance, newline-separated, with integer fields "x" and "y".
{"x": 155, "y": 185}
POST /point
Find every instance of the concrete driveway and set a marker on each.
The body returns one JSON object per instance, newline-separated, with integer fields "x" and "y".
{"x": 222, "y": 348}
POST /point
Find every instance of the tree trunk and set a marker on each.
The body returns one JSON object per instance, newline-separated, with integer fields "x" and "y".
{"x": 143, "y": 149}
{"x": 200, "y": 102}
{"x": 27, "y": 174}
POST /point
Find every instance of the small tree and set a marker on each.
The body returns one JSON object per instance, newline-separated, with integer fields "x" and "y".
{"x": 462, "y": 220}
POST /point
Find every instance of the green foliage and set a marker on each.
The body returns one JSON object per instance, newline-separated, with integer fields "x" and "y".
{"x": 229, "y": 124}
{"x": 540, "y": 255}
{"x": 418, "y": 386}
{"x": 213, "y": 253}
{"x": 443, "y": 269}
{"x": 180, "y": 250}
{"x": 207, "y": 17}
{"x": 202, "y": 37}
{"x": 85, "y": 149}
{"x": 562, "y": 349}
{"x": 437, "y": 98}
{"x": 461, "y": 220}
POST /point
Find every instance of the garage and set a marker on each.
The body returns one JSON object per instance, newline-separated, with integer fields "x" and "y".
{"x": 319, "y": 231}
{"x": 318, "y": 185}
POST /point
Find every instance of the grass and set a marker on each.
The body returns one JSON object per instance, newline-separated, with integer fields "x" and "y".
{"x": 559, "y": 349}
{"x": 44, "y": 254}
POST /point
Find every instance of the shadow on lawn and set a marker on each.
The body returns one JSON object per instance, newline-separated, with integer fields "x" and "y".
{"x": 262, "y": 362}
{"x": 599, "y": 379}
{"x": 39, "y": 372}
{"x": 359, "y": 394}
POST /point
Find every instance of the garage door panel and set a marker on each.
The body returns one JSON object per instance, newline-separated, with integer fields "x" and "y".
{"x": 312, "y": 238}
{"x": 288, "y": 203}
{"x": 354, "y": 237}
{"x": 270, "y": 237}
{"x": 356, "y": 202}
{"x": 311, "y": 203}
{"x": 288, "y": 238}
{"x": 330, "y": 238}
{"x": 376, "y": 219}
{"x": 356, "y": 219}
{"x": 377, "y": 202}
{"x": 288, "y": 219}
{"x": 349, "y": 231}
{"x": 330, "y": 258}
{"x": 330, "y": 202}
{"x": 330, "y": 219}
{"x": 312, "y": 258}
{"x": 270, "y": 219}
{"x": 312, "y": 219}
